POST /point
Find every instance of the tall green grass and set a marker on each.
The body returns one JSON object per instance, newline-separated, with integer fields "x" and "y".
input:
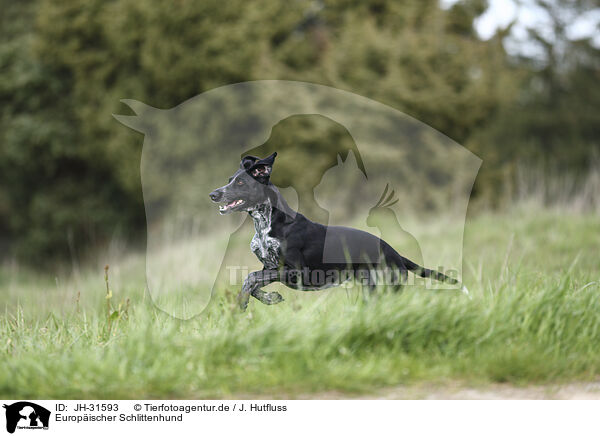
{"x": 534, "y": 318}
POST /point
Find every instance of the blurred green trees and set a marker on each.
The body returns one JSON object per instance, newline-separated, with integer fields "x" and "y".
{"x": 69, "y": 174}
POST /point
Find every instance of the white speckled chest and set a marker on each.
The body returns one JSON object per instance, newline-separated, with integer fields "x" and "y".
{"x": 266, "y": 248}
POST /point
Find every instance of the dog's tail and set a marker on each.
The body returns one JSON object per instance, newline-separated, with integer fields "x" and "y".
{"x": 404, "y": 263}
{"x": 425, "y": 272}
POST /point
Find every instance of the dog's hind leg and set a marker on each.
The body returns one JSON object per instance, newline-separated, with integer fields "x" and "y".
{"x": 398, "y": 280}
{"x": 366, "y": 278}
{"x": 252, "y": 285}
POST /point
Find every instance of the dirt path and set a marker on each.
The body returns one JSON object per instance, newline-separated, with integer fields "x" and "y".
{"x": 571, "y": 391}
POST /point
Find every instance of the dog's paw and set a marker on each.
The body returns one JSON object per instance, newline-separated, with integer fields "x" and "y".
{"x": 268, "y": 297}
{"x": 273, "y": 298}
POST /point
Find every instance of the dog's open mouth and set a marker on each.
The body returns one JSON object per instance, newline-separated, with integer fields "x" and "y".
{"x": 224, "y": 208}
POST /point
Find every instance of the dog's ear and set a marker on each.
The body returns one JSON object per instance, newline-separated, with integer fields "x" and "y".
{"x": 247, "y": 162}
{"x": 261, "y": 169}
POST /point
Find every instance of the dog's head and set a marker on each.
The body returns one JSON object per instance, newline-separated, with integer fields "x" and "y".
{"x": 247, "y": 188}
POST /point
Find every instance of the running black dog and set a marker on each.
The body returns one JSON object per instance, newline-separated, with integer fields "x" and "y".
{"x": 298, "y": 252}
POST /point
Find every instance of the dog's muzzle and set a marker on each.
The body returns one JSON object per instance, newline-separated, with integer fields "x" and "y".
{"x": 216, "y": 196}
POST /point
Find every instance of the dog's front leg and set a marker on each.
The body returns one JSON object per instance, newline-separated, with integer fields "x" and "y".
{"x": 252, "y": 285}
{"x": 247, "y": 287}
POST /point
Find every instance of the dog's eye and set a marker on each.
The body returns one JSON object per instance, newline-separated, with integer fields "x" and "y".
{"x": 239, "y": 182}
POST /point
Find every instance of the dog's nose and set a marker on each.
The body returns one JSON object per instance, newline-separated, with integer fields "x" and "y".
{"x": 215, "y": 195}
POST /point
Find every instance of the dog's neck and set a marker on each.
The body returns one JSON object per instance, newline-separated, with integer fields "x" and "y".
{"x": 264, "y": 246}
{"x": 261, "y": 214}
{"x": 274, "y": 202}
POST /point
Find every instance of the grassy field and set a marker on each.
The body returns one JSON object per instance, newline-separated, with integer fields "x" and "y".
{"x": 534, "y": 319}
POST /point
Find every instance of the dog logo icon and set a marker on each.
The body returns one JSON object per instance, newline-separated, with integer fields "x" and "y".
{"x": 26, "y": 415}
